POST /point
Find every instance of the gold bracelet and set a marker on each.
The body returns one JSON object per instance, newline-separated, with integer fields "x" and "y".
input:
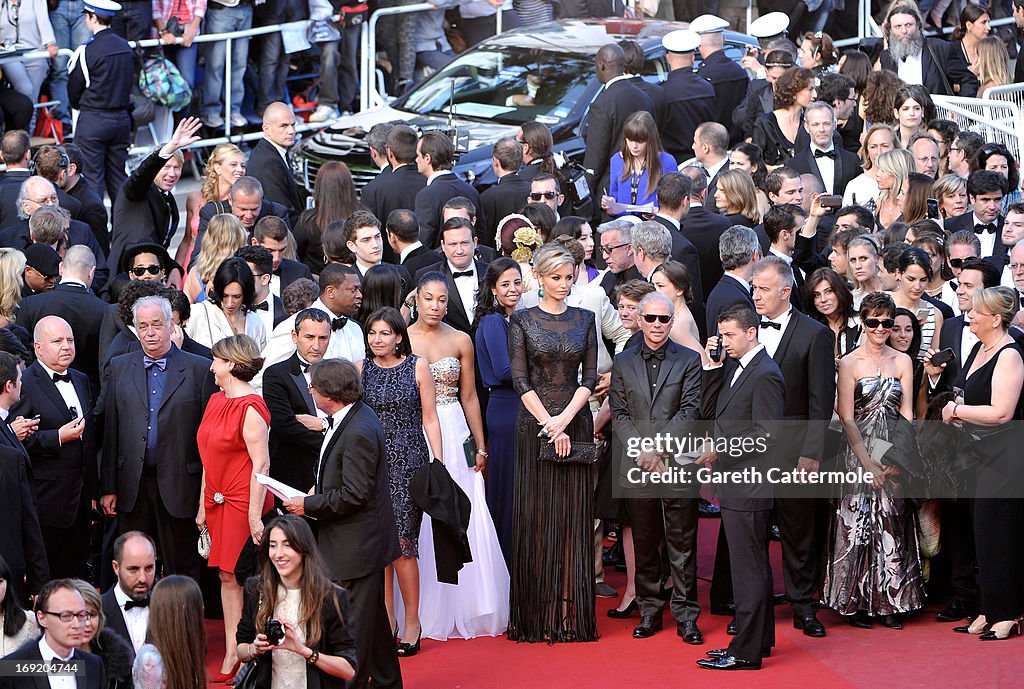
{"x": 313, "y": 657}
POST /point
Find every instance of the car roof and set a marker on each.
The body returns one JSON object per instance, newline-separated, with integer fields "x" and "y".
{"x": 586, "y": 36}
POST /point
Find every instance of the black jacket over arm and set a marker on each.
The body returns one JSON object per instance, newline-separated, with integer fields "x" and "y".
{"x": 142, "y": 213}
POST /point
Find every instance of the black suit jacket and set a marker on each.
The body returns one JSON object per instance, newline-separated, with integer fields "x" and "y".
{"x": 290, "y": 271}
{"x": 437, "y": 493}
{"x": 10, "y": 187}
{"x": 612, "y": 280}
{"x": 352, "y": 501}
{"x": 21, "y": 539}
{"x": 730, "y": 82}
{"x": 94, "y": 676}
{"x": 685, "y": 252}
{"x": 267, "y": 165}
{"x": 294, "y": 447}
{"x": 604, "y": 123}
{"x": 391, "y": 190}
{"x": 950, "y": 62}
{"x": 430, "y": 201}
{"x": 17, "y": 236}
{"x": 93, "y": 212}
{"x": 689, "y": 102}
{"x": 9, "y": 204}
{"x": 82, "y": 309}
{"x": 748, "y": 409}
{"x": 456, "y": 316}
{"x": 657, "y": 96}
{"x": 1000, "y": 252}
{"x": 63, "y": 475}
{"x": 142, "y": 213}
{"x": 704, "y": 229}
{"x": 508, "y": 196}
{"x": 115, "y": 617}
{"x": 419, "y": 258}
{"x": 847, "y": 166}
{"x": 188, "y": 387}
{"x": 726, "y": 293}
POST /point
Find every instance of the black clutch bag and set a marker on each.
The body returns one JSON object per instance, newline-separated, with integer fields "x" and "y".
{"x": 580, "y": 453}
{"x": 469, "y": 449}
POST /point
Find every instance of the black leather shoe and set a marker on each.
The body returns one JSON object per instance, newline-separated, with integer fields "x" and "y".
{"x": 954, "y": 612}
{"x": 689, "y": 633}
{"x": 778, "y": 598}
{"x": 731, "y": 629}
{"x": 649, "y": 624}
{"x": 707, "y": 509}
{"x": 728, "y": 663}
{"x": 892, "y": 622}
{"x": 810, "y": 625}
{"x": 774, "y": 533}
{"x": 727, "y": 610}
{"x": 860, "y": 620}
{"x": 626, "y": 612}
{"x": 722, "y": 652}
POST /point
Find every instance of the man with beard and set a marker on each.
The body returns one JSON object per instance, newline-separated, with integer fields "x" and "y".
{"x": 931, "y": 62}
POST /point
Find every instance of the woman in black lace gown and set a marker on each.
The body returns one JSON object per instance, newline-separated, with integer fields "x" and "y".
{"x": 553, "y": 554}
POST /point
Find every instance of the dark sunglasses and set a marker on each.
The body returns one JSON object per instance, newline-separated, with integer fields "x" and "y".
{"x": 139, "y": 271}
{"x": 957, "y": 262}
{"x": 538, "y": 195}
{"x": 872, "y": 323}
{"x": 660, "y": 317}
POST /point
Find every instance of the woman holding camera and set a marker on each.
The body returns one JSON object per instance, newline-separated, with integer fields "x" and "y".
{"x": 295, "y": 621}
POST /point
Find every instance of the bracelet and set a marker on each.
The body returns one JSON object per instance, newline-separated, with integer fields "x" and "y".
{"x": 954, "y": 410}
{"x": 313, "y": 657}
{"x": 481, "y": 453}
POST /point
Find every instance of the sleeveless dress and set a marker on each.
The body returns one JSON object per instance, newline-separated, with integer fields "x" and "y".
{"x": 228, "y": 473}
{"x": 392, "y": 393}
{"x": 873, "y": 563}
{"x": 478, "y": 606}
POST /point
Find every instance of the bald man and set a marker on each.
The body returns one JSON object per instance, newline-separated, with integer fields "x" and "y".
{"x": 62, "y": 450}
{"x": 269, "y": 160}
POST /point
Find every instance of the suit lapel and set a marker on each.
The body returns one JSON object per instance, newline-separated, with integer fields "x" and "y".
{"x": 815, "y": 170}
{"x": 295, "y": 371}
{"x": 83, "y": 394}
{"x": 40, "y": 681}
{"x": 958, "y": 339}
{"x": 172, "y": 382}
{"x": 725, "y": 396}
{"x": 138, "y": 375}
{"x": 744, "y": 374}
{"x": 279, "y": 312}
{"x": 333, "y": 441}
{"x": 787, "y": 336}
{"x": 640, "y": 373}
{"x": 49, "y": 388}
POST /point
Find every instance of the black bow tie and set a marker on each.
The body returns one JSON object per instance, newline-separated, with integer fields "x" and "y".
{"x": 57, "y": 378}
{"x": 647, "y": 353}
{"x": 462, "y": 274}
{"x": 265, "y": 306}
{"x": 771, "y": 324}
{"x": 330, "y": 421}
{"x": 304, "y": 366}
{"x": 338, "y": 323}
{"x": 987, "y": 227}
{"x": 825, "y": 154}
{"x": 144, "y": 603}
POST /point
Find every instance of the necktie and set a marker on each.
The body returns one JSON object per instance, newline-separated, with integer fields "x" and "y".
{"x": 57, "y": 378}
{"x": 338, "y": 323}
{"x": 144, "y": 603}
{"x": 987, "y": 227}
{"x": 657, "y": 354}
{"x": 771, "y": 324}
{"x": 150, "y": 362}
{"x": 825, "y": 154}
{"x": 462, "y": 274}
{"x": 265, "y": 306}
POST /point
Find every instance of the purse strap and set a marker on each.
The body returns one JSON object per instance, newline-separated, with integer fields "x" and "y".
{"x": 938, "y": 65}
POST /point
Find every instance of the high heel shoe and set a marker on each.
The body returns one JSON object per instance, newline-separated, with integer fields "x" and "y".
{"x": 860, "y": 620}
{"x": 993, "y": 635}
{"x": 226, "y": 677}
{"x": 621, "y": 614}
{"x": 977, "y": 626}
{"x": 892, "y": 622}
{"x": 406, "y": 650}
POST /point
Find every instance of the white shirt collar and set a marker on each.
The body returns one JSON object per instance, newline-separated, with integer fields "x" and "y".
{"x": 49, "y": 371}
{"x": 737, "y": 278}
{"x": 618, "y": 78}
{"x": 408, "y": 250}
{"x": 120, "y": 596}
{"x": 283, "y": 152}
{"x": 362, "y": 267}
{"x": 318, "y": 304}
{"x": 435, "y": 175}
{"x": 775, "y": 252}
{"x": 749, "y": 356}
{"x": 675, "y": 223}
{"x": 782, "y": 320}
{"x": 714, "y": 169}
{"x": 471, "y": 268}
{"x": 72, "y": 281}
{"x": 48, "y": 653}
{"x": 4, "y": 413}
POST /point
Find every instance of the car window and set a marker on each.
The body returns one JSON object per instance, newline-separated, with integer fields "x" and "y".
{"x": 506, "y": 85}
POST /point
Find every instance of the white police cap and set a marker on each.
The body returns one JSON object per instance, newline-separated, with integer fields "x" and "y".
{"x": 770, "y": 25}
{"x": 102, "y": 8}
{"x": 681, "y": 41}
{"x": 708, "y": 23}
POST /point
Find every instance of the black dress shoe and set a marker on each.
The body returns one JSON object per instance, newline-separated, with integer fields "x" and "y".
{"x": 626, "y": 612}
{"x": 726, "y": 610}
{"x": 689, "y": 632}
{"x": 774, "y": 533}
{"x": 860, "y": 620}
{"x": 722, "y": 652}
{"x": 707, "y": 509}
{"x": 778, "y": 598}
{"x": 732, "y": 629}
{"x": 954, "y": 612}
{"x": 728, "y": 663}
{"x": 810, "y": 625}
{"x": 892, "y": 622}
{"x": 649, "y": 624}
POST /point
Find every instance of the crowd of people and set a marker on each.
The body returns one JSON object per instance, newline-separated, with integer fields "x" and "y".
{"x": 404, "y": 411}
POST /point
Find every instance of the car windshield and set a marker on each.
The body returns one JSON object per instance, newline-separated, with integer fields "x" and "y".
{"x": 506, "y": 85}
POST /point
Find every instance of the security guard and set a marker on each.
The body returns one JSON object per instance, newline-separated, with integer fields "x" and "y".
{"x": 729, "y": 79}
{"x": 689, "y": 97}
{"x": 100, "y": 78}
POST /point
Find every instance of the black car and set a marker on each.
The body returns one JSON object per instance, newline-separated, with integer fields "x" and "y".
{"x": 544, "y": 73}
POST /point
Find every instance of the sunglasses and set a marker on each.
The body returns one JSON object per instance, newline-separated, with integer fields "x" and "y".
{"x": 139, "y": 271}
{"x": 660, "y": 317}
{"x": 872, "y": 323}
{"x": 957, "y": 262}
{"x": 607, "y": 250}
{"x": 538, "y": 195}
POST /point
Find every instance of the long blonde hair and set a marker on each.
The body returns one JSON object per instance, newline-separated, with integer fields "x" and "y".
{"x": 211, "y": 182}
{"x": 224, "y": 235}
{"x": 993, "y": 62}
{"x": 12, "y": 266}
{"x": 899, "y": 163}
{"x": 738, "y": 188}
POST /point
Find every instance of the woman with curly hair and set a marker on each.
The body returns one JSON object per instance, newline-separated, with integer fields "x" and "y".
{"x": 818, "y": 54}
{"x": 880, "y": 138}
{"x": 876, "y": 102}
{"x": 334, "y": 198}
{"x": 224, "y": 167}
{"x": 780, "y": 133}
{"x": 736, "y": 198}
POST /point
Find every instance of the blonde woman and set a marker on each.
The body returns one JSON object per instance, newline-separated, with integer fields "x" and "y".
{"x": 993, "y": 64}
{"x": 951, "y": 191}
{"x": 224, "y": 167}
{"x": 892, "y": 172}
{"x": 12, "y": 266}
{"x": 880, "y": 138}
{"x": 224, "y": 236}
{"x": 736, "y": 197}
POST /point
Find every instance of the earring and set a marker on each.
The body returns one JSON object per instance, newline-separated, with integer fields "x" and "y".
{"x": 540, "y": 293}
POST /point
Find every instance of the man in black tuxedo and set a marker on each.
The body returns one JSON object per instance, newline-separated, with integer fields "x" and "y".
{"x": 150, "y": 470}
{"x": 296, "y": 426}
{"x": 703, "y": 228}
{"x": 711, "y": 149}
{"x": 269, "y": 307}
{"x": 268, "y": 160}
{"x": 397, "y": 185}
{"x": 63, "y": 448}
{"x": 61, "y": 613}
{"x": 21, "y": 540}
{"x": 461, "y": 207}
{"x": 933, "y": 63}
{"x": 246, "y": 202}
{"x": 352, "y": 503}
{"x": 271, "y": 233}
{"x": 744, "y": 396}
{"x": 462, "y": 271}
{"x": 94, "y": 212}
{"x": 803, "y": 349}
{"x": 985, "y": 191}
{"x": 674, "y": 193}
{"x": 738, "y": 250}
{"x": 616, "y": 237}
{"x": 403, "y": 231}
{"x": 832, "y": 165}
{"x": 126, "y": 603}
{"x": 510, "y": 192}
{"x": 656, "y": 389}
{"x": 17, "y": 154}
{"x": 729, "y": 79}
{"x": 435, "y": 156}
{"x": 603, "y": 127}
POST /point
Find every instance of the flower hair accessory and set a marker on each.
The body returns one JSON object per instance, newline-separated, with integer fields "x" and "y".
{"x": 525, "y": 237}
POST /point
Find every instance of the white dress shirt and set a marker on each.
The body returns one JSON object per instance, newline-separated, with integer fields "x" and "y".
{"x": 435, "y": 175}
{"x": 467, "y": 285}
{"x": 770, "y": 338}
{"x": 275, "y": 286}
{"x": 56, "y": 681}
{"x": 136, "y": 619}
{"x": 826, "y": 166}
{"x": 208, "y": 325}
{"x": 408, "y": 250}
{"x": 713, "y": 170}
{"x": 744, "y": 362}
{"x": 988, "y": 239}
{"x": 266, "y": 317}
{"x": 66, "y": 390}
{"x": 337, "y": 416}
{"x": 911, "y": 70}
{"x": 967, "y": 341}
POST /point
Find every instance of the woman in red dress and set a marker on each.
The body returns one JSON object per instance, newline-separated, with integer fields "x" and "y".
{"x": 233, "y": 444}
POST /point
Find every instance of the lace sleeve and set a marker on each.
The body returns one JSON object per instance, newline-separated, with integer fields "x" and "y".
{"x": 517, "y": 353}
{"x": 589, "y": 378}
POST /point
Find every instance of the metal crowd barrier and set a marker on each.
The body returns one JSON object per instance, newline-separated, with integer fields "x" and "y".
{"x": 997, "y": 121}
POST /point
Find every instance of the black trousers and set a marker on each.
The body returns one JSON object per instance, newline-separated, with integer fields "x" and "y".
{"x": 175, "y": 537}
{"x": 67, "y": 548}
{"x": 801, "y": 551}
{"x": 376, "y": 658}
{"x": 747, "y": 535}
{"x": 997, "y": 539}
{"x": 957, "y": 538}
{"x": 674, "y": 523}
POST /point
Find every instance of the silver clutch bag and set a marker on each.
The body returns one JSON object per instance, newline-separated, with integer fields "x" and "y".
{"x": 204, "y": 543}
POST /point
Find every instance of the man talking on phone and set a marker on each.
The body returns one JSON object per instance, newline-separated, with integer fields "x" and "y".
{"x": 832, "y": 165}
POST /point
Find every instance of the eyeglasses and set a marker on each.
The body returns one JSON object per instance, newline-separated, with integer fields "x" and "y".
{"x": 538, "y": 195}
{"x": 66, "y": 617}
{"x": 139, "y": 271}
{"x": 959, "y": 262}
{"x": 886, "y": 323}
{"x": 660, "y": 317}
{"x": 607, "y": 250}
{"x": 45, "y": 201}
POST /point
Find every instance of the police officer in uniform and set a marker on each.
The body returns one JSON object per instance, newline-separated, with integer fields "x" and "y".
{"x": 689, "y": 97}
{"x": 100, "y": 77}
{"x": 729, "y": 79}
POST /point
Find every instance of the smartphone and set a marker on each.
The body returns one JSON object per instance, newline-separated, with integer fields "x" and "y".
{"x": 922, "y": 314}
{"x": 943, "y": 356}
{"x": 830, "y": 201}
{"x": 933, "y": 209}
{"x": 716, "y": 353}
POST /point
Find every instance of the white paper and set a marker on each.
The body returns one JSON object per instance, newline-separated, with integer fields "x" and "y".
{"x": 877, "y": 449}
{"x": 280, "y": 490}
{"x": 293, "y": 37}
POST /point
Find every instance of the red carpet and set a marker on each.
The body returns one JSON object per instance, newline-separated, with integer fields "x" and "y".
{"x": 923, "y": 654}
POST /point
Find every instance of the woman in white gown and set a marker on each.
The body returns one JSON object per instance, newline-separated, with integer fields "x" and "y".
{"x": 478, "y": 605}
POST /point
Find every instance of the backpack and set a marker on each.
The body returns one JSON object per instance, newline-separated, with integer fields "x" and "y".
{"x": 161, "y": 82}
